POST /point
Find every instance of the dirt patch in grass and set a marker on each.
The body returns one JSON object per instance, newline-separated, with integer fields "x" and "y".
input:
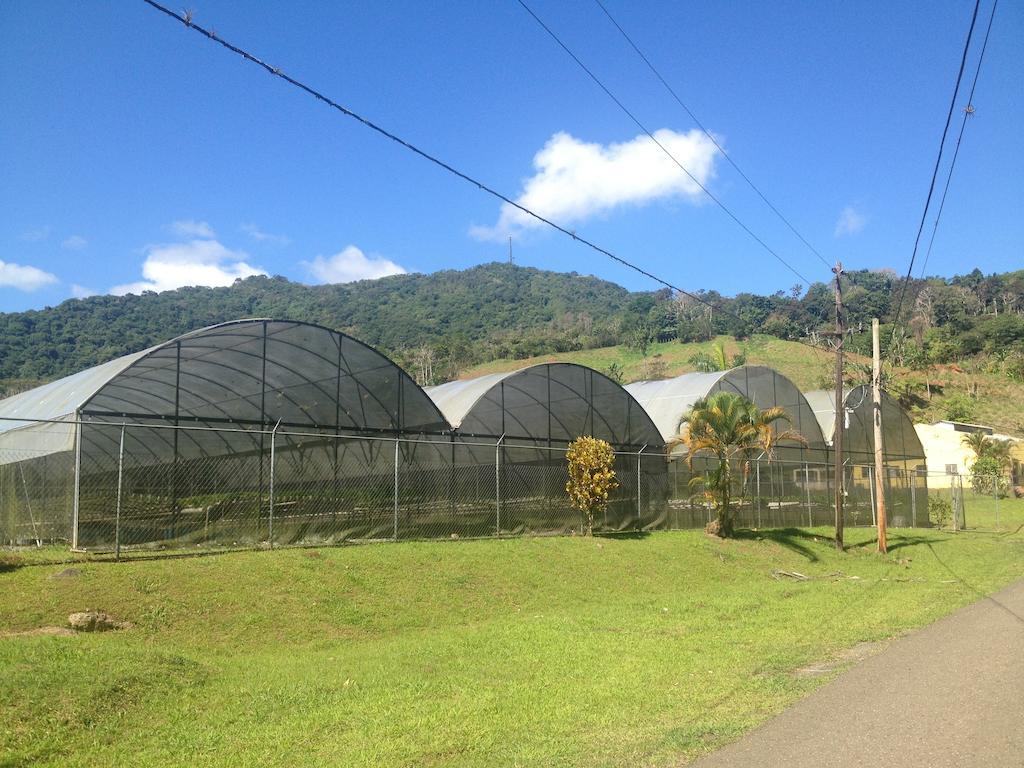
{"x": 40, "y": 632}
{"x": 844, "y": 658}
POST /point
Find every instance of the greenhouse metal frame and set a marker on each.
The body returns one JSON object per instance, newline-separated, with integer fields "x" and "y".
{"x": 261, "y": 431}
{"x": 533, "y": 414}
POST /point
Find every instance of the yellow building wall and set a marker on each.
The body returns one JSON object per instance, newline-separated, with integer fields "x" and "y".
{"x": 944, "y": 450}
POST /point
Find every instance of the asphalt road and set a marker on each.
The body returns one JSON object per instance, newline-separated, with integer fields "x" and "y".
{"x": 951, "y": 694}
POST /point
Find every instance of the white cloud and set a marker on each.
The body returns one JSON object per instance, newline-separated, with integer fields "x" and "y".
{"x": 24, "y": 278}
{"x": 74, "y": 243}
{"x": 850, "y": 222}
{"x": 260, "y": 236}
{"x": 35, "y": 235}
{"x": 195, "y": 262}
{"x": 576, "y": 180}
{"x": 349, "y": 265}
{"x": 81, "y": 292}
{"x": 191, "y": 228}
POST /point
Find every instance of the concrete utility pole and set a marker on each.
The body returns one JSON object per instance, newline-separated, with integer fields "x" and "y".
{"x": 837, "y": 436}
{"x": 876, "y": 400}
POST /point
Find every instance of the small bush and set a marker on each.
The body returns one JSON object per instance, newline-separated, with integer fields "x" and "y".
{"x": 988, "y": 478}
{"x": 940, "y": 511}
{"x": 959, "y": 408}
{"x": 591, "y": 477}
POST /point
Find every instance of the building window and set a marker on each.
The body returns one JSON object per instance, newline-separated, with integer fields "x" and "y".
{"x": 952, "y": 469}
{"x": 865, "y": 471}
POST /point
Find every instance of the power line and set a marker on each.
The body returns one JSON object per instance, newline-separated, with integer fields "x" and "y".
{"x": 708, "y": 133}
{"x": 935, "y": 172}
{"x": 968, "y": 111}
{"x": 276, "y": 72}
{"x": 663, "y": 148}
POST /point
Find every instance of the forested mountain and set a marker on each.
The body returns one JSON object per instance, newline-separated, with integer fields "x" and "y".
{"x": 439, "y": 323}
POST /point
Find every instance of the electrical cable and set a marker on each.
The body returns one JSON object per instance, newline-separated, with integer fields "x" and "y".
{"x": 661, "y": 146}
{"x": 275, "y": 71}
{"x": 968, "y": 111}
{"x": 935, "y": 172}
{"x": 708, "y": 133}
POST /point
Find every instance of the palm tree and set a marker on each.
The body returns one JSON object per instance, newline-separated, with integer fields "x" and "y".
{"x": 716, "y": 359}
{"x": 767, "y": 423}
{"x": 728, "y": 427}
{"x": 978, "y": 442}
{"x": 1000, "y": 451}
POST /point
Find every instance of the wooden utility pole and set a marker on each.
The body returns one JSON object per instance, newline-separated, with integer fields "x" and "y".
{"x": 876, "y": 400}
{"x": 837, "y": 435}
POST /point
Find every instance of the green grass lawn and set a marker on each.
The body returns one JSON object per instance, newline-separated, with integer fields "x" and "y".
{"x": 991, "y": 514}
{"x": 530, "y": 652}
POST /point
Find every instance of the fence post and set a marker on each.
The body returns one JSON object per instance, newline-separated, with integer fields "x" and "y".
{"x": 28, "y": 503}
{"x": 497, "y": 486}
{"x": 958, "y": 502}
{"x": 639, "y": 503}
{"x": 395, "y": 498}
{"x": 871, "y": 491}
{"x": 757, "y": 475}
{"x": 807, "y": 492}
{"x": 120, "y": 485}
{"x": 273, "y": 464}
{"x": 913, "y": 499}
{"x": 78, "y": 483}
{"x": 995, "y": 493}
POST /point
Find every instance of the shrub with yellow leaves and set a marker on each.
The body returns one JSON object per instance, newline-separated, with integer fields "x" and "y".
{"x": 591, "y": 477}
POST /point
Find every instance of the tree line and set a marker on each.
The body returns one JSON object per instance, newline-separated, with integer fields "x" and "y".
{"x": 436, "y": 324}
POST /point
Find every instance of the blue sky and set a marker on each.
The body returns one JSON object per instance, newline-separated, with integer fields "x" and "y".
{"x": 138, "y": 155}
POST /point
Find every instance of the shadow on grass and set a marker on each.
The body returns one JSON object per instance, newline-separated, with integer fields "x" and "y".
{"x": 973, "y": 588}
{"x": 630, "y": 535}
{"x": 790, "y": 538}
{"x": 10, "y": 563}
{"x": 898, "y": 541}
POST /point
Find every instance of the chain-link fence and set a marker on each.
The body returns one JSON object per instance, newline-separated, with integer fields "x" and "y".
{"x": 157, "y": 486}
{"x": 991, "y": 502}
{"x": 780, "y": 493}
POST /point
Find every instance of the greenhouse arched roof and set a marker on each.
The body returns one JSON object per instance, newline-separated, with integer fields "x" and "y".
{"x": 899, "y": 438}
{"x": 555, "y": 402}
{"x": 253, "y": 372}
{"x": 668, "y": 400}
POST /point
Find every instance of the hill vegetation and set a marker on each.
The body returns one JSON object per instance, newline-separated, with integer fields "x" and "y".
{"x": 959, "y": 346}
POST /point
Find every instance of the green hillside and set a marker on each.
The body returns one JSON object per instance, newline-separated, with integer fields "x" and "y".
{"x": 997, "y": 400}
{"x": 958, "y": 350}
